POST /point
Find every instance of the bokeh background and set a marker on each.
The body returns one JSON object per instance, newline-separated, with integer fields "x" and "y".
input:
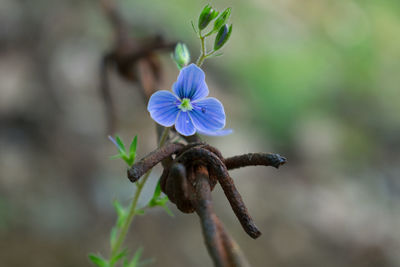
{"x": 316, "y": 81}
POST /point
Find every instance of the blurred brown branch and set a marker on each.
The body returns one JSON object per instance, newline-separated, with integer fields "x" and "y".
{"x": 133, "y": 59}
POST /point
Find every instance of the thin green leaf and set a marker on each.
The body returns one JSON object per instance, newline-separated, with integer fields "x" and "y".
{"x": 162, "y": 201}
{"x": 118, "y": 208}
{"x": 157, "y": 191}
{"x": 116, "y": 156}
{"x": 157, "y": 200}
{"x": 121, "y": 212}
{"x": 130, "y": 161}
{"x": 194, "y": 28}
{"x": 152, "y": 203}
{"x": 139, "y": 212}
{"x": 168, "y": 211}
{"x": 215, "y": 55}
{"x": 146, "y": 262}
{"x": 156, "y": 194}
{"x": 98, "y": 260}
{"x": 113, "y": 236}
{"x": 120, "y": 144}
{"x": 117, "y": 257}
{"x": 125, "y": 157}
{"x": 132, "y": 148}
{"x": 135, "y": 259}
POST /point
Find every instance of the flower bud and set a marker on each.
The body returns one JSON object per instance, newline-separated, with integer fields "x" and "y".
{"x": 222, "y": 36}
{"x": 206, "y": 16}
{"x": 222, "y": 19}
{"x": 181, "y": 56}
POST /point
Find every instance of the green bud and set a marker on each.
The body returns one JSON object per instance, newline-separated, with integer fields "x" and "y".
{"x": 206, "y": 16}
{"x": 181, "y": 56}
{"x": 222, "y": 36}
{"x": 222, "y": 19}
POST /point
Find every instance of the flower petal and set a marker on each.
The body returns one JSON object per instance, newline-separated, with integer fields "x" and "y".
{"x": 163, "y": 107}
{"x": 184, "y": 124}
{"x": 191, "y": 83}
{"x": 221, "y": 132}
{"x": 208, "y": 115}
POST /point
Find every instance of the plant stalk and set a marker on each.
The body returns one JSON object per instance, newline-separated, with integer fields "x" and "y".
{"x": 132, "y": 209}
{"x": 203, "y": 54}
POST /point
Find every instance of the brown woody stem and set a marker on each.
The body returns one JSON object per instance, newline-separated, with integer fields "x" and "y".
{"x": 141, "y": 167}
{"x": 207, "y": 217}
{"x": 255, "y": 159}
{"x": 218, "y": 169}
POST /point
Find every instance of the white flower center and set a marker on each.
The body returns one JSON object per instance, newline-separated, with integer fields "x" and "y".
{"x": 185, "y": 105}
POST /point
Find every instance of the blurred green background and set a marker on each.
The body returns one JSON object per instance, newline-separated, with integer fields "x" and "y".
{"x": 316, "y": 81}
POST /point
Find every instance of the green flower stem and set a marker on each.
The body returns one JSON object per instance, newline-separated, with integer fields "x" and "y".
{"x": 132, "y": 209}
{"x": 164, "y": 137}
{"x": 203, "y": 54}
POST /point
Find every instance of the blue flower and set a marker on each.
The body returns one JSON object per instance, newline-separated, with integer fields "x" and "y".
{"x": 188, "y": 107}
